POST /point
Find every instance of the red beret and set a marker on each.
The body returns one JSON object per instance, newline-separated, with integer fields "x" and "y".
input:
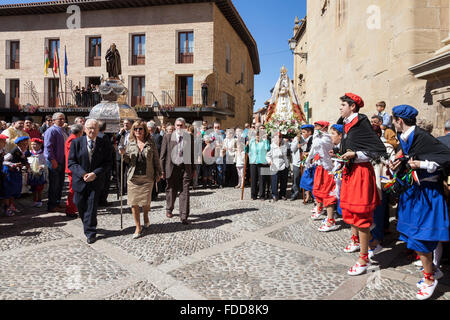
{"x": 3, "y": 137}
{"x": 324, "y": 124}
{"x": 358, "y": 100}
{"x": 37, "y": 140}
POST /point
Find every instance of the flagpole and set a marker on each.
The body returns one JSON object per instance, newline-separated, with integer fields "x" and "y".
{"x": 53, "y": 71}
{"x": 63, "y": 96}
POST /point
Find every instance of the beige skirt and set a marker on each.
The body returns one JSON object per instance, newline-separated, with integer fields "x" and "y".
{"x": 139, "y": 191}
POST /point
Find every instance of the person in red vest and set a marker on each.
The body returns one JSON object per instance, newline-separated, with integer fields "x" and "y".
{"x": 76, "y": 132}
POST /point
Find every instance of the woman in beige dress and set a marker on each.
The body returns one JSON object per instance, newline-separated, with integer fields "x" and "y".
{"x": 144, "y": 171}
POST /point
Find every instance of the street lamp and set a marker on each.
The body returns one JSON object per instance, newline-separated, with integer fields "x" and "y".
{"x": 293, "y": 45}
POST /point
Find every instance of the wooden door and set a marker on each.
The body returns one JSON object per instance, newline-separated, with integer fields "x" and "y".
{"x": 138, "y": 91}
{"x": 185, "y": 92}
{"x": 14, "y": 94}
{"x": 53, "y": 90}
{"x": 15, "y": 55}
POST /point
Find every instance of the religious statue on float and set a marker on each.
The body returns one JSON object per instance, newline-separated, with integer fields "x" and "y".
{"x": 284, "y": 114}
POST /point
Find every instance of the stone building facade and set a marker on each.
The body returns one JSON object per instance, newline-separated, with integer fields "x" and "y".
{"x": 377, "y": 49}
{"x": 168, "y": 50}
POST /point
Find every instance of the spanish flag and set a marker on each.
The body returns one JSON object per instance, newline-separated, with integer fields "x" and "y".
{"x": 47, "y": 61}
{"x": 55, "y": 61}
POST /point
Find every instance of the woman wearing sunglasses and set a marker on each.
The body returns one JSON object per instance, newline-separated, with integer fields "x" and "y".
{"x": 144, "y": 171}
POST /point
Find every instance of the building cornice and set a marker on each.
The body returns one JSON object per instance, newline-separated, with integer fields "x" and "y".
{"x": 434, "y": 67}
{"x": 225, "y": 6}
{"x": 300, "y": 31}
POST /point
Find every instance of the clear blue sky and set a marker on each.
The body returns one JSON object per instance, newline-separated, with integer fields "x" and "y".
{"x": 271, "y": 23}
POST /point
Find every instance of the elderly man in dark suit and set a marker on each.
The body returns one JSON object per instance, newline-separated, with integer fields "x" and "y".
{"x": 177, "y": 163}
{"x": 89, "y": 160}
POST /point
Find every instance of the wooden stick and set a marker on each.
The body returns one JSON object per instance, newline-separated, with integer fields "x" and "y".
{"x": 121, "y": 193}
{"x": 243, "y": 178}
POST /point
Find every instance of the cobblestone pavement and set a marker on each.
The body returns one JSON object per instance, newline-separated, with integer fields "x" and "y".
{"x": 233, "y": 249}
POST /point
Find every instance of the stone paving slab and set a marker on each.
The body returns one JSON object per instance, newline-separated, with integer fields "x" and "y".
{"x": 30, "y": 229}
{"x": 305, "y": 233}
{"x": 252, "y": 216}
{"x": 55, "y": 271}
{"x": 167, "y": 241}
{"x": 256, "y": 270}
{"x": 380, "y": 288}
{"x": 232, "y": 250}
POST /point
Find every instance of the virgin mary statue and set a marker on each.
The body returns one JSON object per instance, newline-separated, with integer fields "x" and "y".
{"x": 284, "y": 105}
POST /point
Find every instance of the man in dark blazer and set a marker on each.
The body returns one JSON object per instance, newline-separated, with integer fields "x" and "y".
{"x": 157, "y": 138}
{"x": 177, "y": 163}
{"x": 89, "y": 160}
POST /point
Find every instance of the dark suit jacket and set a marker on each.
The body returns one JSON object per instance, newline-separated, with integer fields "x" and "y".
{"x": 79, "y": 163}
{"x": 445, "y": 140}
{"x": 158, "y": 141}
{"x": 168, "y": 144}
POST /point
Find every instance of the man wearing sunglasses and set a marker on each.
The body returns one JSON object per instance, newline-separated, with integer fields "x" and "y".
{"x": 177, "y": 163}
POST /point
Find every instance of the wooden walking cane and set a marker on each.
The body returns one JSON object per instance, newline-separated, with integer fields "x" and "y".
{"x": 243, "y": 177}
{"x": 121, "y": 192}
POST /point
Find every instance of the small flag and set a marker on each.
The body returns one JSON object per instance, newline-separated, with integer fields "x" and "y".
{"x": 47, "y": 61}
{"x": 55, "y": 61}
{"x": 65, "y": 61}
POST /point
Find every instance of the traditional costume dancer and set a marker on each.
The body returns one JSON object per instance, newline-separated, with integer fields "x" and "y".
{"x": 307, "y": 180}
{"x": 422, "y": 214}
{"x": 324, "y": 184}
{"x": 13, "y": 163}
{"x": 337, "y": 131}
{"x": 316, "y": 156}
{"x": 358, "y": 196}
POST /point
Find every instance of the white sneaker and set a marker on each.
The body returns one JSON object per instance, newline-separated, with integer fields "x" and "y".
{"x": 375, "y": 251}
{"x": 38, "y": 204}
{"x": 426, "y": 291}
{"x": 328, "y": 226}
{"x": 314, "y": 210}
{"x": 352, "y": 247}
{"x": 358, "y": 269}
{"x": 438, "y": 274}
{"x": 418, "y": 263}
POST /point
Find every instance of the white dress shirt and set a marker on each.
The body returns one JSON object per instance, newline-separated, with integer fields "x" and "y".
{"x": 90, "y": 151}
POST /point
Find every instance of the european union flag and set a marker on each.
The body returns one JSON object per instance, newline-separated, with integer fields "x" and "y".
{"x": 65, "y": 62}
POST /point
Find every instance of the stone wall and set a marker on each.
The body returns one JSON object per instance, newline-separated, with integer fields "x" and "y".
{"x": 160, "y": 25}
{"x": 349, "y": 52}
{"x": 223, "y": 35}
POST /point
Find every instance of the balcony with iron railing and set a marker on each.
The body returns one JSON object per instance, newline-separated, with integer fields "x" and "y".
{"x": 95, "y": 61}
{"x": 137, "y": 60}
{"x": 12, "y": 62}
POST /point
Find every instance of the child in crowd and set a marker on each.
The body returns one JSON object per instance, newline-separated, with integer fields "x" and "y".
{"x": 3, "y": 139}
{"x": 307, "y": 180}
{"x": 240, "y": 163}
{"x": 324, "y": 184}
{"x": 37, "y": 177}
{"x": 381, "y": 170}
{"x": 13, "y": 163}
{"x": 208, "y": 162}
{"x": 319, "y": 157}
{"x": 336, "y": 137}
